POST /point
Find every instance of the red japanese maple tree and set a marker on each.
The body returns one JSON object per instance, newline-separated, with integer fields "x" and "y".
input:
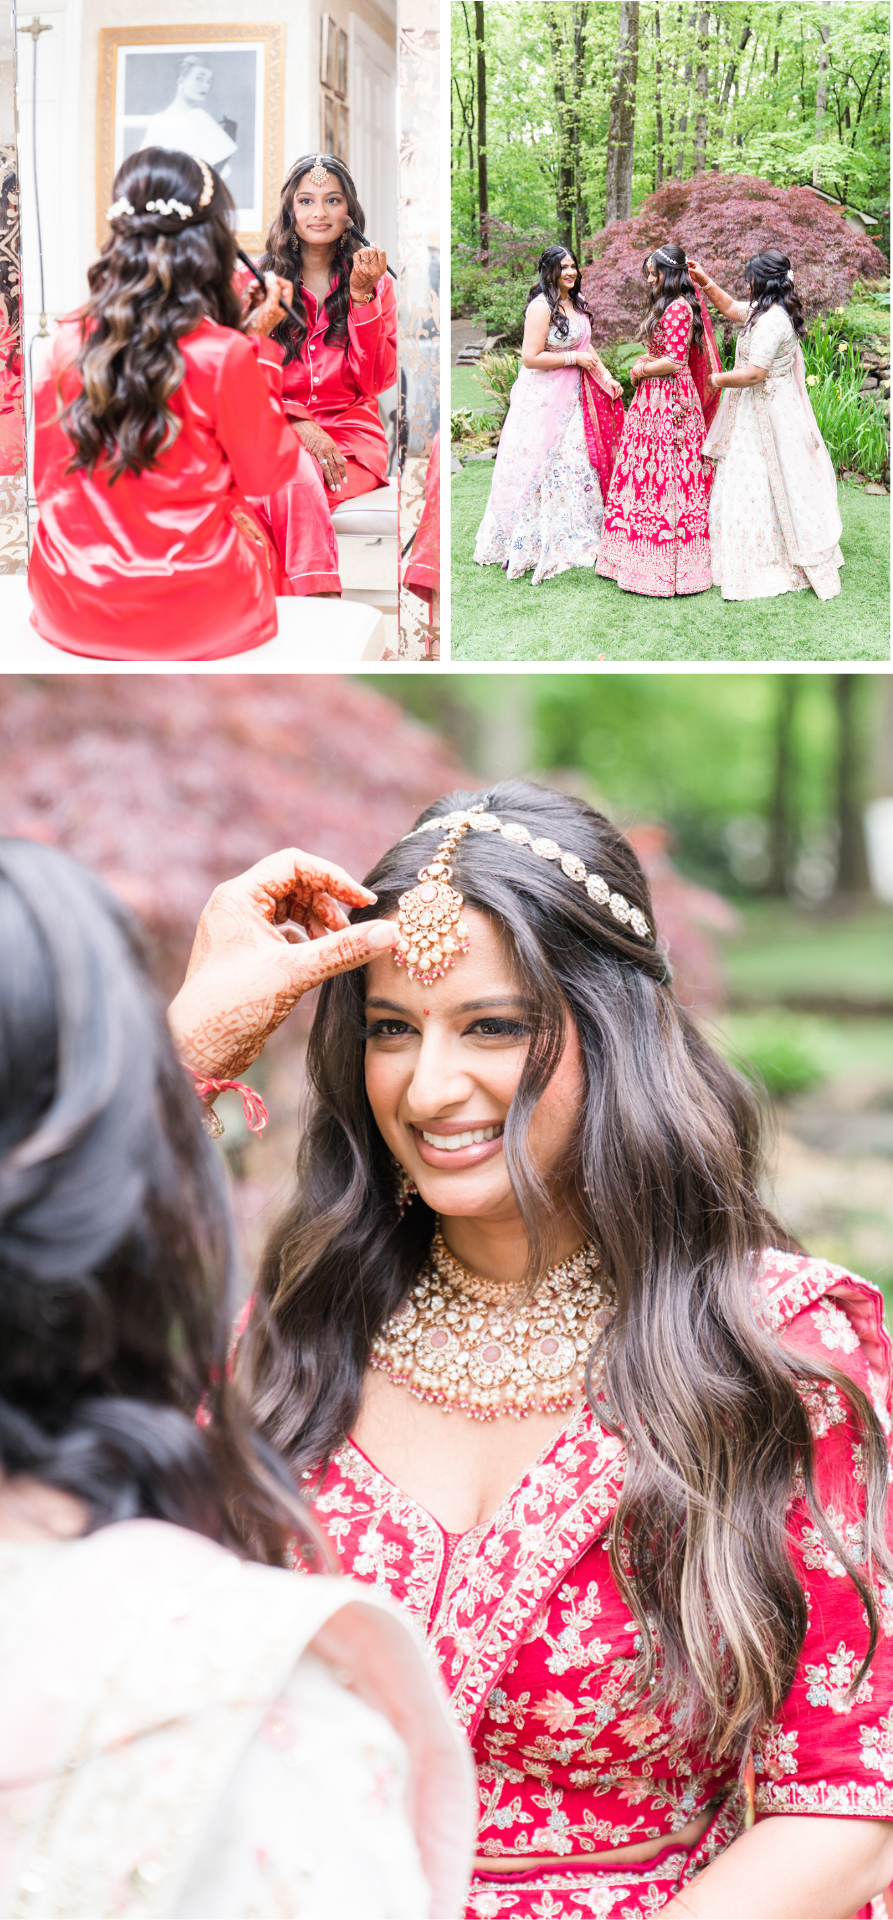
{"x": 722, "y": 219}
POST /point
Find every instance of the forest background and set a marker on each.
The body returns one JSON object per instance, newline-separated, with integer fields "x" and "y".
{"x": 611, "y": 125}
{"x": 567, "y": 114}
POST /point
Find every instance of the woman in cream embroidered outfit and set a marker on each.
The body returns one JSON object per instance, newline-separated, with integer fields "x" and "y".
{"x": 186, "y": 1730}
{"x": 774, "y": 519}
{"x": 559, "y": 441}
{"x": 552, "y": 1377}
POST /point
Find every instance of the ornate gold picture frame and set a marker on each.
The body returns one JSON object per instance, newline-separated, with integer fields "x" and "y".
{"x": 125, "y": 102}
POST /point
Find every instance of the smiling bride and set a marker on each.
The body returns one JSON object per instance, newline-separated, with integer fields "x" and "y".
{"x": 555, "y": 1380}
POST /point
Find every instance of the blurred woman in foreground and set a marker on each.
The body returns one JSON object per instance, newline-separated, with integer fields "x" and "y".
{"x": 187, "y": 1729}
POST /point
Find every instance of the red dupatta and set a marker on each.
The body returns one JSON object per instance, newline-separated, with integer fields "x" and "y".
{"x": 702, "y": 361}
{"x": 603, "y": 426}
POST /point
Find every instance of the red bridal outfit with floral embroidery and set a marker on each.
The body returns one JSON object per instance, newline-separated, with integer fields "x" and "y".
{"x": 656, "y": 536}
{"x": 170, "y": 563}
{"x": 537, "y": 1648}
{"x": 336, "y": 387}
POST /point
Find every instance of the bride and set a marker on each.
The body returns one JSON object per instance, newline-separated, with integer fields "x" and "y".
{"x": 559, "y": 441}
{"x": 553, "y": 1378}
{"x": 774, "y": 518}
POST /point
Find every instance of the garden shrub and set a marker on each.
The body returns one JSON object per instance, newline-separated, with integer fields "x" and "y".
{"x": 778, "y": 1053}
{"x": 722, "y": 219}
{"x": 852, "y": 426}
{"x": 496, "y": 294}
{"x": 497, "y": 373}
{"x": 467, "y": 425}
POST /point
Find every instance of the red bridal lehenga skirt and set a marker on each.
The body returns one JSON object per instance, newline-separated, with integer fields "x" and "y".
{"x": 656, "y": 536}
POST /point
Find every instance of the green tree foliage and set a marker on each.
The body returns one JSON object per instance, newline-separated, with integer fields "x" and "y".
{"x": 739, "y": 86}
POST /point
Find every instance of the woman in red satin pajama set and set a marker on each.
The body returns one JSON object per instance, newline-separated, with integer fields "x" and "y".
{"x": 156, "y": 417}
{"x": 341, "y": 354}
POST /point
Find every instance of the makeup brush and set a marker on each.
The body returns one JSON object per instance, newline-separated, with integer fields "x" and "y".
{"x": 241, "y": 255}
{"x": 353, "y": 228}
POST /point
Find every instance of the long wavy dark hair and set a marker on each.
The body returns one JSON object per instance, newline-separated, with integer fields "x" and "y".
{"x": 282, "y": 255}
{"x": 665, "y": 1165}
{"x": 156, "y": 279}
{"x": 767, "y": 277}
{"x": 548, "y": 285}
{"x": 117, "y": 1277}
{"x": 674, "y": 284}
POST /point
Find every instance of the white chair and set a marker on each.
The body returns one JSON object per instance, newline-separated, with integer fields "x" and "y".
{"x": 315, "y": 636}
{"x": 369, "y": 570}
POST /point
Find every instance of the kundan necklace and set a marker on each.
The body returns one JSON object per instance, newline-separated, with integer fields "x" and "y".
{"x": 455, "y": 1343}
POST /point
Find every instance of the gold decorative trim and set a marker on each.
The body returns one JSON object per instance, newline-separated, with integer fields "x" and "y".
{"x": 111, "y": 38}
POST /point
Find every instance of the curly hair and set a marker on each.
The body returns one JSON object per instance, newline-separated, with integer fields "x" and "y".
{"x": 670, "y": 262}
{"x": 282, "y": 255}
{"x": 156, "y": 279}
{"x": 549, "y": 286}
{"x": 767, "y": 276}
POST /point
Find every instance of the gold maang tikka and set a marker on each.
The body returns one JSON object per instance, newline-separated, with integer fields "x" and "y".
{"x": 318, "y": 175}
{"x": 431, "y": 930}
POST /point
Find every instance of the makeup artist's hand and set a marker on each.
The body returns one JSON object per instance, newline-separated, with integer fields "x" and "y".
{"x": 366, "y": 269}
{"x": 266, "y": 310}
{"x": 263, "y": 940}
{"x": 323, "y": 449}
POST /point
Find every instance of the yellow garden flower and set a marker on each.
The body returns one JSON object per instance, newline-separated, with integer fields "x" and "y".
{"x": 811, "y": 379}
{"x": 843, "y": 347}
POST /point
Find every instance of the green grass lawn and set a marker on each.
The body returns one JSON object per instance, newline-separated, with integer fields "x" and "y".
{"x": 466, "y": 392}
{"x": 783, "y": 954}
{"x": 578, "y": 616}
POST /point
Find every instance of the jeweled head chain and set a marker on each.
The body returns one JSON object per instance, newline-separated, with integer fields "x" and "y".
{"x": 430, "y": 928}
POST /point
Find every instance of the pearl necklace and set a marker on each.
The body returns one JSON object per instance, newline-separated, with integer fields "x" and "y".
{"x": 453, "y": 1342}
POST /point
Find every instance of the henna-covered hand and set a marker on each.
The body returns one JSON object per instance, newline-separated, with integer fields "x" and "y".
{"x": 263, "y": 940}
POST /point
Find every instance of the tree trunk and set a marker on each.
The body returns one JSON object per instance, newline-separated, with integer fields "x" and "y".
{"x": 821, "y": 96}
{"x": 732, "y": 69}
{"x": 483, "y": 188}
{"x": 622, "y": 116}
{"x": 658, "y": 105}
{"x": 683, "y": 117}
{"x": 700, "y": 156}
{"x": 781, "y": 814}
{"x": 565, "y": 184}
{"x": 852, "y": 863}
{"x": 581, "y": 11}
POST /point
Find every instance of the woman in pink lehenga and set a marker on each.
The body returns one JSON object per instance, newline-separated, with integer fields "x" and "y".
{"x": 656, "y": 537}
{"x": 559, "y": 441}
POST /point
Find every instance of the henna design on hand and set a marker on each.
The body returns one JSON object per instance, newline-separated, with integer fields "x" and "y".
{"x": 250, "y": 964}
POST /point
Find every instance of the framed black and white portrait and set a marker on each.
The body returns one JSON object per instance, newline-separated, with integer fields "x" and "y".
{"x": 212, "y": 91}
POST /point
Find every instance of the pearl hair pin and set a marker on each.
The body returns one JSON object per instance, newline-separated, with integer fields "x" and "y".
{"x": 167, "y": 207}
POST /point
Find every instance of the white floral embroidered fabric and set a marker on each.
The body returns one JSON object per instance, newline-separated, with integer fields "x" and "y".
{"x": 559, "y": 523}
{"x": 169, "y": 1748}
{"x": 749, "y": 552}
